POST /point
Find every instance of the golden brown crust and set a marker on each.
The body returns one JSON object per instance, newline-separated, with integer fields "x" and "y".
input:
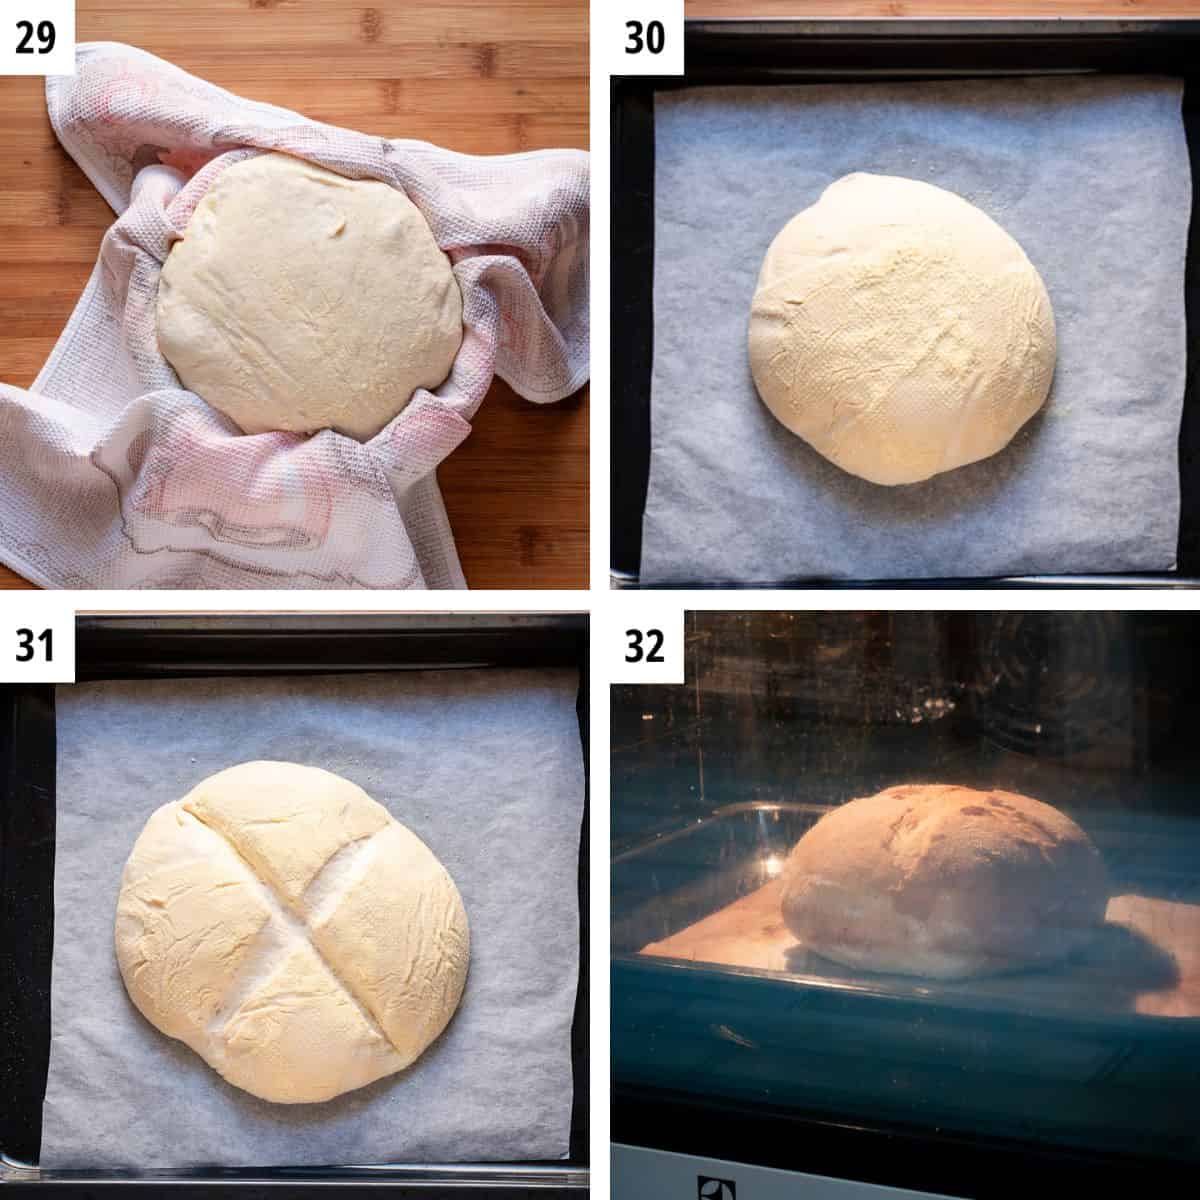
{"x": 935, "y": 879}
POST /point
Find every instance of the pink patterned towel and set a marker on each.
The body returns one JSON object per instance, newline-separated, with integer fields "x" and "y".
{"x": 114, "y": 476}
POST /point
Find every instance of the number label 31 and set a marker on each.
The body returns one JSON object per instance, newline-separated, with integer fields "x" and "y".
{"x": 37, "y": 639}
{"x": 31, "y": 645}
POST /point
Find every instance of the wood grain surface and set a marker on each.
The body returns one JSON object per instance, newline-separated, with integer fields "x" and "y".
{"x": 477, "y": 76}
{"x": 1146, "y": 960}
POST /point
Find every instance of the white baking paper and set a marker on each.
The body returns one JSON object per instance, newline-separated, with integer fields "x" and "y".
{"x": 484, "y": 765}
{"x": 1089, "y": 174}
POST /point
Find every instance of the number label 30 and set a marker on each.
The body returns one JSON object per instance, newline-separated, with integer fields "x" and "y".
{"x": 650, "y": 37}
{"x": 641, "y": 37}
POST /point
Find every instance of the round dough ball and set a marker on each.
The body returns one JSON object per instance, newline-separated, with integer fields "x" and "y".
{"x": 283, "y": 925}
{"x": 900, "y": 331}
{"x": 301, "y": 300}
{"x": 944, "y": 881}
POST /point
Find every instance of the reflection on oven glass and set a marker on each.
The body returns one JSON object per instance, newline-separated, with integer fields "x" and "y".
{"x": 940, "y": 868}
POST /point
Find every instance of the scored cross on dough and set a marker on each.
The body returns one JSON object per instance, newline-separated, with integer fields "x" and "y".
{"x": 282, "y": 924}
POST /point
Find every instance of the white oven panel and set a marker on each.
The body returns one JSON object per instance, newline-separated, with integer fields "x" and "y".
{"x": 641, "y": 1174}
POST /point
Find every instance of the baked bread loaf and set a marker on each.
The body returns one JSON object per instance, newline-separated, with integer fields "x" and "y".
{"x": 291, "y": 932}
{"x": 899, "y": 330}
{"x": 301, "y": 300}
{"x": 944, "y": 881}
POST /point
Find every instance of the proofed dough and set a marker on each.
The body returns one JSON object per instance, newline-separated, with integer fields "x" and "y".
{"x": 899, "y": 330}
{"x": 944, "y": 881}
{"x": 291, "y": 932}
{"x": 301, "y": 300}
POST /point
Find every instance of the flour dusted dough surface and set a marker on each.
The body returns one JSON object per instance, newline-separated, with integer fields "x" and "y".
{"x": 284, "y": 926}
{"x": 944, "y": 881}
{"x": 899, "y": 330}
{"x": 301, "y": 300}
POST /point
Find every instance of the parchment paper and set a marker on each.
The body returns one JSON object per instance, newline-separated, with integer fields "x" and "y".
{"x": 484, "y": 765}
{"x": 1090, "y": 175}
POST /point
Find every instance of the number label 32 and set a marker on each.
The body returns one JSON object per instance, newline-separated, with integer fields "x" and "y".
{"x": 644, "y": 646}
{"x": 645, "y": 643}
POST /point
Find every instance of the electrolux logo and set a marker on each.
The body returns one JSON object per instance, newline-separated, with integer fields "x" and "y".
{"x": 709, "y": 1188}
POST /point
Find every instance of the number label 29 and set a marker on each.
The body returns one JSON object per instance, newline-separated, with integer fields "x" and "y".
{"x": 37, "y": 37}
{"x": 45, "y": 37}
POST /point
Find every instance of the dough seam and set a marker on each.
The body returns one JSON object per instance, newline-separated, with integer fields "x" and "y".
{"x": 299, "y": 299}
{"x": 293, "y": 922}
{"x": 899, "y": 330}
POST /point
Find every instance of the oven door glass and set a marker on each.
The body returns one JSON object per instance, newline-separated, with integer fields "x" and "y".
{"x": 973, "y": 1015}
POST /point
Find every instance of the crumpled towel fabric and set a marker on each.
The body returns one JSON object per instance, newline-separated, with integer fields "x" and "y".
{"x": 114, "y": 476}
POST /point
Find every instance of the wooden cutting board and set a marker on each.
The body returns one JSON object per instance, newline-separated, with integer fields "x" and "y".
{"x": 1146, "y": 961}
{"x": 477, "y": 76}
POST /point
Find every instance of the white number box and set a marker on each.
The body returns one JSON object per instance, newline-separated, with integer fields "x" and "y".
{"x": 37, "y": 37}
{"x": 37, "y": 638}
{"x": 638, "y": 37}
{"x": 642, "y": 642}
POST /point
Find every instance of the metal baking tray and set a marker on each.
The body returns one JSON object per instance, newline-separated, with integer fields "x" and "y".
{"x": 675, "y": 879}
{"x": 797, "y": 52}
{"x": 749, "y": 1029}
{"x": 133, "y": 647}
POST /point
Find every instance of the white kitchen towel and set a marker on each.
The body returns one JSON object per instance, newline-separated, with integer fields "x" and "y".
{"x": 112, "y": 475}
